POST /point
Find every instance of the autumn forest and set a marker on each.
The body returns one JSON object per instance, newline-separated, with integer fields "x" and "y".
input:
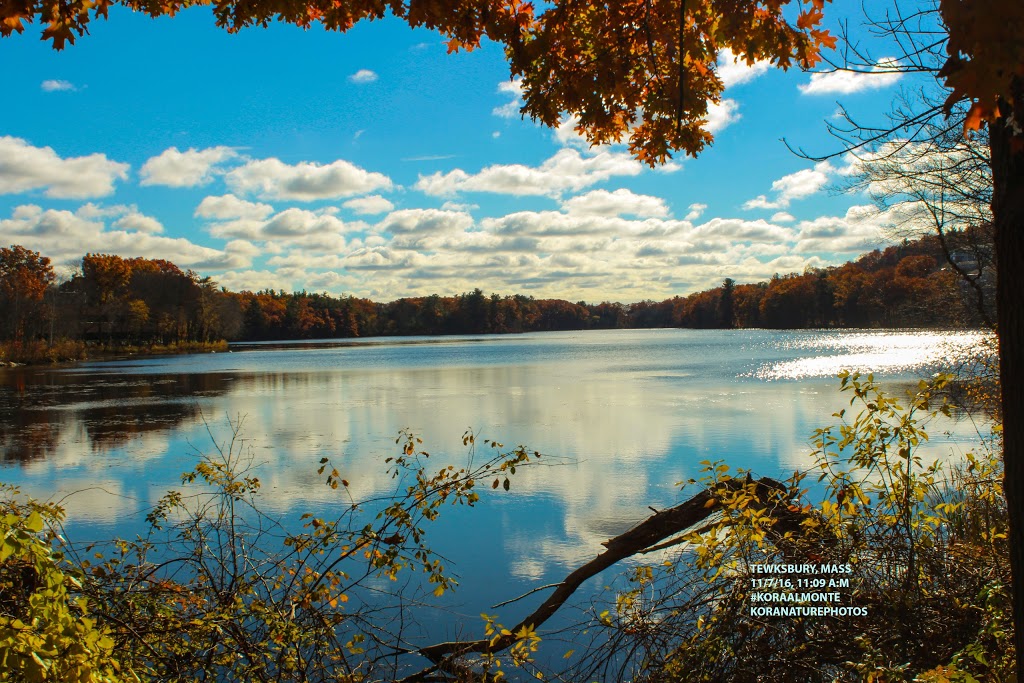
{"x": 114, "y": 301}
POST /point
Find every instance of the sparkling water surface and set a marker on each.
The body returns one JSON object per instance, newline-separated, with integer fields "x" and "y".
{"x": 622, "y": 416}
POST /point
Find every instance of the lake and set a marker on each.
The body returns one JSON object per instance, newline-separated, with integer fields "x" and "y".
{"x": 621, "y": 416}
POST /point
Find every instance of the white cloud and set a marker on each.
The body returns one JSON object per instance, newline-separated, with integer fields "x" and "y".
{"x": 760, "y": 202}
{"x": 243, "y": 247}
{"x": 782, "y": 217}
{"x": 57, "y": 86}
{"x": 618, "y": 203}
{"x": 860, "y": 230}
{"x": 557, "y": 224}
{"x": 567, "y": 170}
{"x": 459, "y": 206}
{"x": 90, "y": 211}
{"x": 567, "y": 136}
{"x": 295, "y": 222}
{"x": 126, "y": 217}
{"x": 305, "y": 181}
{"x": 291, "y": 228}
{"x": 732, "y": 71}
{"x": 903, "y": 174}
{"x": 369, "y": 205}
{"x": 847, "y": 82}
{"x": 139, "y": 223}
{"x": 24, "y": 168}
{"x": 190, "y": 168}
{"x": 253, "y": 280}
{"x": 696, "y": 210}
{"x": 302, "y": 261}
{"x": 797, "y": 185}
{"x": 363, "y": 76}
{"x": 429, "y": 221}
{"x": 722, "y": 114}
{"x": 730, "y": 230}
{"x": 591, "y": 249}
{"x": 513, "y": 88}
{"x": 229, "y": 206}
{"x": 66, "y": 236}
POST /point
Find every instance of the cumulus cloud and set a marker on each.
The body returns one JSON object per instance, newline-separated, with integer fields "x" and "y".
{"x": 424, "y": 229}
{"x": 296, "y": 222}
{"x": 797, "y": 185}
{"x": 229, "y": 206}
{"x": 733, "y": 71}
{"x": 580, "y": 226}
{"x": 600, "y": 244}
{"x": 782, "y": 217}
{"x": 90, "y": 211}
{"x": 193, "y": 167}
{"x": 363, "y": 76}
{"x": 510, "y": 109}
{"x": 618, "y": 203}
{"x": 297, "y": 261}
{"x": 24, "y": 168}
{"x": 305, "y": 181}
{"x": 369, "y": 205}
{"x": 566, "y": 136}
{"x": 696, "y": 210}
{"x": 459, "y": 206}
{"x": 901, "y": 174}
{"x": 848, "y": 82}
{"x": 859, "y": 230}
{"x": 139, "y": 223}
{"x": 57, "y": 86}
{"x": 66, "y": 236}
{"x": 292, "y": 228}
{"x": 722, "y": 114}
{"x": 242, "y": 247}
{"x": 591, "y": 249}
{"x": 254, "y": 280}
{"x": 731, "y": 230}
{"x": 567, "y": 170}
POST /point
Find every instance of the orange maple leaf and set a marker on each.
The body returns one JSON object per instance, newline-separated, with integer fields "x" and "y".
{"x": 976, "y": 116}
{"x": 809, "y": 19}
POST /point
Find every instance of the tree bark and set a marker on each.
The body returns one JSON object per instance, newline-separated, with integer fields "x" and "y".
{"x": 1006, "y": 144}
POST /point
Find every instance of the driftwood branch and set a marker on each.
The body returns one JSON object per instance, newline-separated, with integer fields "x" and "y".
{"x": 644, "y": 537}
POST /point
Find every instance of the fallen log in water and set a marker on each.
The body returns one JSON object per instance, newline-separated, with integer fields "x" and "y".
{"x": 647, "y": 536}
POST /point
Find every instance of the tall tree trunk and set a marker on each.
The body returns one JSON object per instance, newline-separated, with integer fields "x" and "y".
{"x": 1007, "y": 152}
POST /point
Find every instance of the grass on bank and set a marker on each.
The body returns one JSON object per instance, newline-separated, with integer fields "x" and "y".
{"x": 38, "y": 352}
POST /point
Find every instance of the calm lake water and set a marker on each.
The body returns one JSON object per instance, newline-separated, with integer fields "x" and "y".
{"x": 621, "y": 417}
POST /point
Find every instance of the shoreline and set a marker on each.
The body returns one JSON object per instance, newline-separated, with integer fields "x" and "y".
{"x": 66, "y": 352}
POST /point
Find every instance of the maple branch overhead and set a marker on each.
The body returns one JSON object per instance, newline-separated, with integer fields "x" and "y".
{"x": 575, "y": 58}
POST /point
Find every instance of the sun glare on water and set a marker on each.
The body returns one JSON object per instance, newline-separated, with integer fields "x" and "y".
{"x": 880, "y": 352}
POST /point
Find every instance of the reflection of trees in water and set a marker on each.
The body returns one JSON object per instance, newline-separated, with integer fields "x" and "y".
{"x": 41, "y": 410}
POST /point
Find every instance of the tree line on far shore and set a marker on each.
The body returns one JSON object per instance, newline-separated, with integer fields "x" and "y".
{"x": 116, "y": 301}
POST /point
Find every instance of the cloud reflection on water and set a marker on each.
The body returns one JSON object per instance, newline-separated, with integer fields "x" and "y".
{"x": 623, "y": 417}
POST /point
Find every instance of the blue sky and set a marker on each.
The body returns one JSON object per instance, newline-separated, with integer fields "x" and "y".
{"x": 373, "y": 163}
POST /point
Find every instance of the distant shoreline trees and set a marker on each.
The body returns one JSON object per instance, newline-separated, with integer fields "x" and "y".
{"x": 115, "y": 301}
